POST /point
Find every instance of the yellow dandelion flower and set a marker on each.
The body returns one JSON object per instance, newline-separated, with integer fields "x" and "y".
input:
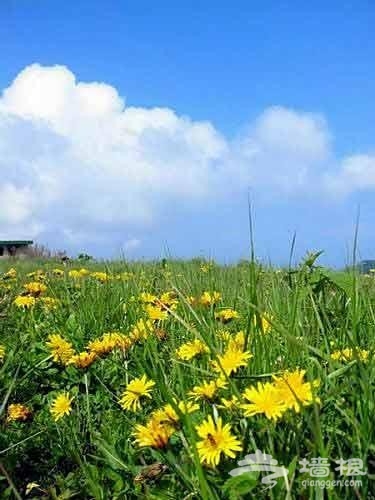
{"x": 49, "y": 303}
{"x": 192, "y": 300}
{"x": 35, "y": 288}
{"x": 74, "y": 273}
{"x": 18, "y": 412}
{"x": 294, "y": 391}
{"x": 78, "y": 273}
{"x": 265, "y": 325}
{"x": 38, "y": 275}
{"x": 205, "y": 268}
{"x": 100, "y": 276}
{"x": 141, "y": 330}
{"x": 207, "y": 390}
{"x": 11, "y": 274}
{"x": 61, "y": 350}
{"x": 231, "y": 361}
{"x": 189, "y": 350}
{"x": 168, "y": 415}
{"x": 105, "y": 344}
{"x": 226, "y": 315}
{"x": 135, "y": 390}
{"x": 58, "y": 272}
{"x": 348, "y": 354}
{"x": 224, "y": 335}
{"x": 83, "y": 359}
{"x": 155, "y": 313}
{"x": 147, "y": 298}
{"x": 210, "y": 298}
{"x": 229, "y": 404}
{"x": 124, "y": 342}
{"x": 168, "y": 299}
{"x": 216, "y": 439}
{"x": 153, "y": 434}
{"x": 265, "y": 398}
{"x": 237, "y": 341}
{"x": 24, "y": 302}
{"x": 61, "y": 405}
{"x": 2, "y": 352}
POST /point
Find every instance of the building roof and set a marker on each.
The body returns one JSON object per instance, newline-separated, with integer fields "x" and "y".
{"x": 16, "y": 242}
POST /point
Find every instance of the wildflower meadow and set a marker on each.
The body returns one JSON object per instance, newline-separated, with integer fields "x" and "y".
{"x": 153, "y": 380}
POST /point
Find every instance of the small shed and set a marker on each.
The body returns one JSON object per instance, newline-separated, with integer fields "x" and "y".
{"x": 14, "y": 248}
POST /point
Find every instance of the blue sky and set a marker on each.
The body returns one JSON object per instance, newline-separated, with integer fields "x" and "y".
{"x": 237, "y": 82}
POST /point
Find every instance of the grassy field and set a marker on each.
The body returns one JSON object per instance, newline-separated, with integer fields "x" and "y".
{"x": 152, "y": 380}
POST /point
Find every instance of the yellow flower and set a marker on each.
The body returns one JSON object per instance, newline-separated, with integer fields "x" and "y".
{"x": 189, "y": 350}
{"x": 210, "y": 298}
{"x": 61, "y": 349}
{"x": 348, "y": 354}
{"x": 206, "y": 267}
{"x": 124, "y": 342}
{"x": 226, "y": 315}
{"x": 153, "y": 434}
{"x": 141, "y": 330}
{"x": 50, "y": 302}
{"x": 83, "y": 359}
{"x": 106, "y": 343}
{"x": 230, "y": 361}
{"x": 155, "y": 313}
{"x": 168, "y": 415}
{"x": 58, "y": 272}
{"x": 38, "y": 275}
{"x": 265, "y": 325}
{"x": 74, "y": 273}
{"x": 237, "y": 342}
{"x": 135, "y": 390}
{"x": 192, "y": 300}
{"x": 61, "y": 405}
{"x": 168, "y": 299}
{"x": 264, "y": 399}
{"x": 78, "y": 273}
{"x": 24, "y": 302}
{"x": 11, "y": 274}
{"x": 2, "y": 352}
{"x": 102, "y": 277}
{"x": 229, "y": 404}
{"x": 147, "y": 298}
{"x": 294, "y": 391}
{"x": 35, "y": 288}
{"x": 18, "y": 412}
{"x": 207, "y": 390}
{"x": 216, "y": 439}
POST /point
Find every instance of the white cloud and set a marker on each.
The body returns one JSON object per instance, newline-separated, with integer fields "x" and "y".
{"x": 16, "y": 204}
{"x": 76, "y": 162}
{"x": 356, "y": 172}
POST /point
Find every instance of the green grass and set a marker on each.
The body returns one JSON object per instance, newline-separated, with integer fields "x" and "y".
{"x": 91, "y": 453}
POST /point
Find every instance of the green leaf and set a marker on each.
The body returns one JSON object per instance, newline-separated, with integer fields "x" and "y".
{"x": 237, "y": 486}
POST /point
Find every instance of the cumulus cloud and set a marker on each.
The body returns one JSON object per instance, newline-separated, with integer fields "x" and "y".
{"x": 355, "y": 172}
{"x": 77, "y": 163}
